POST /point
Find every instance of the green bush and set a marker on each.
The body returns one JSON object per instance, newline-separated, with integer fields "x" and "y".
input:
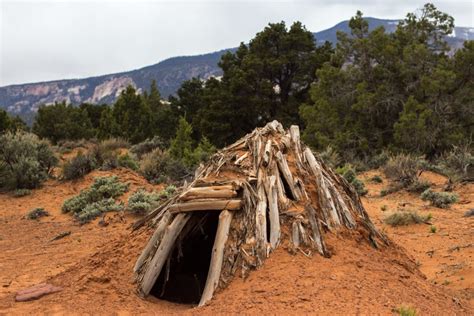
{"x": 348, "y": 172}
{"x": 97, "y": 199}
{"x": 147, "y": 146}
{"x": 419, "y": 186}
{"x": 458, "y": 164}
{"x": 379, "y": 160}
{"x": 406, "y": 218}
{"x": 21, "y": 192}
{"x": 376, "y": 179}
{"x": 403, "y": 168}
{"x": 158, "y": 166}
{"x": 78, "y": 166}
{"x": 406, "y": 311}
{"x": 330, "y": 157}
{"x": 439, "y": 199}
{"x": 25, "y": 161}
{"x": 37, "y": 213}
{"x": 142, "y": 201}
{"x": 127, "y": 161}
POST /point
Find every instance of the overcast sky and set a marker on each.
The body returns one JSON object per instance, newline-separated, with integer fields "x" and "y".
{"x": 49, "y": 40}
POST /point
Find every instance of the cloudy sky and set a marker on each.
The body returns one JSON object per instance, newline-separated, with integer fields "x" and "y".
{"x": 49, "y": 40}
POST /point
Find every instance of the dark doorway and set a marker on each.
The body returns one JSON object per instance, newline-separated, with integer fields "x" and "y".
{"x": 183, "y": 277}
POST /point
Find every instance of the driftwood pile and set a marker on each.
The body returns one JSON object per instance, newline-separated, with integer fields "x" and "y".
{"x": 270, "y": 190}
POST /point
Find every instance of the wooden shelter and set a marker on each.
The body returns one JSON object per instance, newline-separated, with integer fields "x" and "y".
{"x": 264, "y": 191}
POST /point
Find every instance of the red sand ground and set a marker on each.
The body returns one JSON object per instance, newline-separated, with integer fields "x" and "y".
{"x": 94, "y": 263}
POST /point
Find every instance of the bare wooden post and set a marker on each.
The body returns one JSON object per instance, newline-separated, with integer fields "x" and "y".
{"x": 154, "y": 268}
{"x": 154, "y": 238}
{"x": 273, "y": 213}
{"x": 286, "y": 172}
{"x": 315, "y": 227}
{"x": 217, "y": 257}
{"x": 261, "y": 221}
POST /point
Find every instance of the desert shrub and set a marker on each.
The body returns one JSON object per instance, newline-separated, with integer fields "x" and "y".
{"x": 78, "y": 166}
{"x": 159, "y": 166}
{"x": 21, "y": 192}
{"x": 376, "y": 179}
{"x": 458, "y": 164}
{"x": 69, "y": 145}
{"x": 37, "y": 213}
{"x": 203, "y": 151}
{"x": 419, "y": 186}
{"x": 142, "y": 201}
{"x": 406, "y": 218}
{"x": 406, "y": 311}
{"x": 439, "y": 199}
{"x": 403, "y": 168}
{"x": 348, "y": 172}
{"x": 147, "y": 146}
{"x": 128, "y": 161}
{"x": 330, "y": 157}
{"x": 25, "y": 161}
{"x": 97, "y": 199}
{"x": 433, "y": 229}
{"x": 114, "y": 143}
{"x": 392, "y": 188}
{"x": 379, "y": 160}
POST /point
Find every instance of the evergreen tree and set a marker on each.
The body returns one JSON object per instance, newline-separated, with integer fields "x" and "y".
{"x": 181, "y": 146}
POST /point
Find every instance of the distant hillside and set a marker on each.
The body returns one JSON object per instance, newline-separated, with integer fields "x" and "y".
{"x": 24, "y": 99}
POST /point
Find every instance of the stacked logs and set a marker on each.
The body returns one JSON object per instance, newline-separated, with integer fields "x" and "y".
{"x": 269, "y": 189}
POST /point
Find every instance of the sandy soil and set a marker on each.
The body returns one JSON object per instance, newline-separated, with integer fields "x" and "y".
{"x": 430, "y": 272}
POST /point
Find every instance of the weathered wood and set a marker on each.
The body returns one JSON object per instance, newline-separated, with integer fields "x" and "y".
{"x": 241, "y": 158}
{"x": 267, "y": 153}
{"x": 295, "y": 234}
{"x": 273, "y": 214}
{"x": 286, "y": 172}
{"x": 154, "y": 268}
{"x": 153, "y": 240}
{"x": 316, "y": 228}
{"x": 220, "y": 192}
{"x": 325, "y": 198}
{"x": 206, "y": 205}
{"x": 261, "y": 217}
{"x": 296, "y": 143}
{"x": 217, "y": 257}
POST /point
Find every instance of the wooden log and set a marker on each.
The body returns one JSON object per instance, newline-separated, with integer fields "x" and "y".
{"x": 241, "y": 158}
{"x": 206, "y": 205}
{"x": 267, "y": 153}
{"x": 273, "y": 213}
{"x": 295, "y": 234}
{"x": 220, "y": 192}
{"x": 154, "y": 268}
{"x": 286, "y": 172}
{"x": 325, "y": 199}
{"x": 316, "y": 228}
{"x": 261, "y": 218}
{"x": 217, "y": 257}
{"x": 153, "y": 240}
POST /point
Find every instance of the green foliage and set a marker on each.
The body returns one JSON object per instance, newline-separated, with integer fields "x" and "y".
{"x": 141, "y": 202}
{"x": 181, "y": 145}
{"x": 403, "y": 168}
{"x": 439, "y": 199}
{"x": 419, "y": 186}
{"x": 25, "y": 161}
{"x": 376, "y": 179}
{"x": 458, "y": 163}
{"x": 97, "y": 199}
{"x": 78, "y": 166}
{"x": 348, "y": 172}
{"x": 60, "y": 121}
{"x": 37, "y": 213}
{"x": 406, "y": 218}
{"x": 21, "y": 192}
{"x": 203, "y": 151}
{"x": 433, "y": 229}
{"x": 148, "y": 145}
{"x": 330, "y": 157}
{"x": 406, "y": 311}
{"x": 11, "y": 124}
{"x": 127, "y": 161}
{"x": 159, "y": 166}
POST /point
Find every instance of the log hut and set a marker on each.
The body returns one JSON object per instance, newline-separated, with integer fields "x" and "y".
{"x": 266, "y": 190}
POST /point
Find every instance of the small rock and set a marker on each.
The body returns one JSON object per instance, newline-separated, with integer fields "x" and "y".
{"x": 469, "y": 213}
{"x": 36, "y": 292}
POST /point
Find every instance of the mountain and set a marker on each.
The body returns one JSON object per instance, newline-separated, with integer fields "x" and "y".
{"x": 25, "y": 99}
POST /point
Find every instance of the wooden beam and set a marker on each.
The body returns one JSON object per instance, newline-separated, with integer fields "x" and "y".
{"x": 222, "y": 191}
{"x": 206, "y": 205}
{"x": 217, "y": 257}
{"x": 154, "y": 268}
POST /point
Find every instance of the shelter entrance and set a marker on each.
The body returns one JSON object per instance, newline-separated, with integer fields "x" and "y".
{"x": 183, "y": 278}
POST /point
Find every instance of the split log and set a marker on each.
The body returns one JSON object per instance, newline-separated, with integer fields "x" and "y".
{"x": 153, "y": 240}
{"x": 206, "y": 205}
{"x": 316, "y": 228}
{"x": 261, "y": 219}
{"x": 273, "y": 214}
{"x": 286, "y": 172}
{"x": 241, "y": 158}
{"x": 217, "y": 257}
{"x": 267, "y": 153}
{"x": 295, "y": 235}
{"x": 325, "y": 199}
{"x": 220, "y": 192}
{"x": 154, "y": 268}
